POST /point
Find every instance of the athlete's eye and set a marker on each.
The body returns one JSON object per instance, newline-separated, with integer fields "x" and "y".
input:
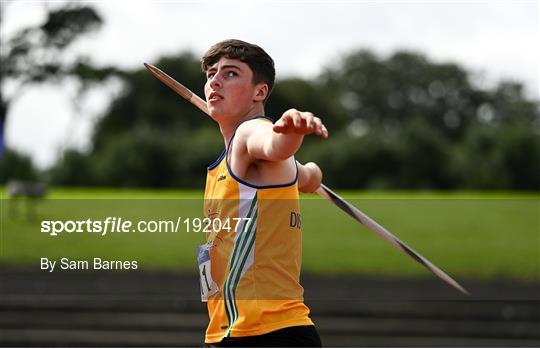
{"x": 231, "y": 74}
{"x": 209, "y": 76}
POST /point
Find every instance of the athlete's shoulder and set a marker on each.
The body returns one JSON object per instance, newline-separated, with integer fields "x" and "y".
{"x": 254, "y": 125}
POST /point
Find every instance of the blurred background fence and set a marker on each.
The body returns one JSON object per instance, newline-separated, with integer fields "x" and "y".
{"x": 161, "y": 310}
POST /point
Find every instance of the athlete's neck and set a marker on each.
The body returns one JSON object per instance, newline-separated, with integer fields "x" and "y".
{"x": 228, "y": 126}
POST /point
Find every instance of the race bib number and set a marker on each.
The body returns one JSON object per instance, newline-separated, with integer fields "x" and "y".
{"x": 208, "y": 286}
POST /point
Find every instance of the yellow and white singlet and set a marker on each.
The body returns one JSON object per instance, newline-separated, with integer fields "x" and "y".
{"x": 253, "y": 286}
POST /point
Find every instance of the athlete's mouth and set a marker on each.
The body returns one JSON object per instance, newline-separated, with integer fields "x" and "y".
{"x": 214, "y": 96}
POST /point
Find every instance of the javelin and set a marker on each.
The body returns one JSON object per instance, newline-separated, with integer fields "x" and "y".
{"x": 324, "y": 191}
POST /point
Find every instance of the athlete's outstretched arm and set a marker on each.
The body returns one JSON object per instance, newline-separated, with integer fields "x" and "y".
{"x": 282, "y": 140}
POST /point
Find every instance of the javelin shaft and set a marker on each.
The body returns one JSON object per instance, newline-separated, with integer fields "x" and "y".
{"x": 177, "y": 87}
{"x": 376, "y": 228}
{"x": 324, "y": 191}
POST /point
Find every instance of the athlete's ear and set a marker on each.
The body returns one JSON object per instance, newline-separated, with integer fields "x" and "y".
{"x": 261, "y": 92}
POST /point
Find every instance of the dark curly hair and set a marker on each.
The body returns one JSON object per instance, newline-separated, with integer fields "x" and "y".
{"x": 255, "y": 57}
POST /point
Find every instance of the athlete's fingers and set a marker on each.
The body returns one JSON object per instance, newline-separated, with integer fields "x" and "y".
{"x": 289, "y": 121}
{"x": 283, "y": 124}
{"x": 324, "y": 132}
{"x": 317, "y": 126}
{"x": 310, "y": 123}
{"x": 279, "y": 125}
{"x": 300, "y": 122}
{"x": 278, "y": 128}
{"x": 289, "y": 116}
{"x": 297, "y": 119}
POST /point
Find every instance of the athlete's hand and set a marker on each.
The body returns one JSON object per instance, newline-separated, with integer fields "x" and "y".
{"x": 303, "y": 123}
{"x": 309, "y": 177}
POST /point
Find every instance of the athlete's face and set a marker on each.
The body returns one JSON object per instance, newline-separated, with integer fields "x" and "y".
{"x": 229, "y": 90}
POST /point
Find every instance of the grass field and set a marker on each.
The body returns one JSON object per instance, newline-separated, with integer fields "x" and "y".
{"x": 468, "y": 234}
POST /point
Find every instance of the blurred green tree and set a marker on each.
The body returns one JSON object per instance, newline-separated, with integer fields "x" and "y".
{"x": 499, "y": 157}
{"x": 16, "y": 165}
{"x": 74, "y": 168}
{"x": 146, "y": 101}
{"x": 39, "y": 54}
{"x": 388, "y": 91}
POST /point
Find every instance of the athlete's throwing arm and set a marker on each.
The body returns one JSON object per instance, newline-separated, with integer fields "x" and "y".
{"x": 272, "y": 147}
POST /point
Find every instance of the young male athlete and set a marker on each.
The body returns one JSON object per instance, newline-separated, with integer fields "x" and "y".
{"x": 250, "y": 275}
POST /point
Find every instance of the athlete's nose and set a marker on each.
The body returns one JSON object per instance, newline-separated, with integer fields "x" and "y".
{"x": 215, "y": 83}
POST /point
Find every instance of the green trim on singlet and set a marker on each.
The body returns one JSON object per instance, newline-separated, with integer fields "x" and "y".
{"x": 238, "y": 259}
